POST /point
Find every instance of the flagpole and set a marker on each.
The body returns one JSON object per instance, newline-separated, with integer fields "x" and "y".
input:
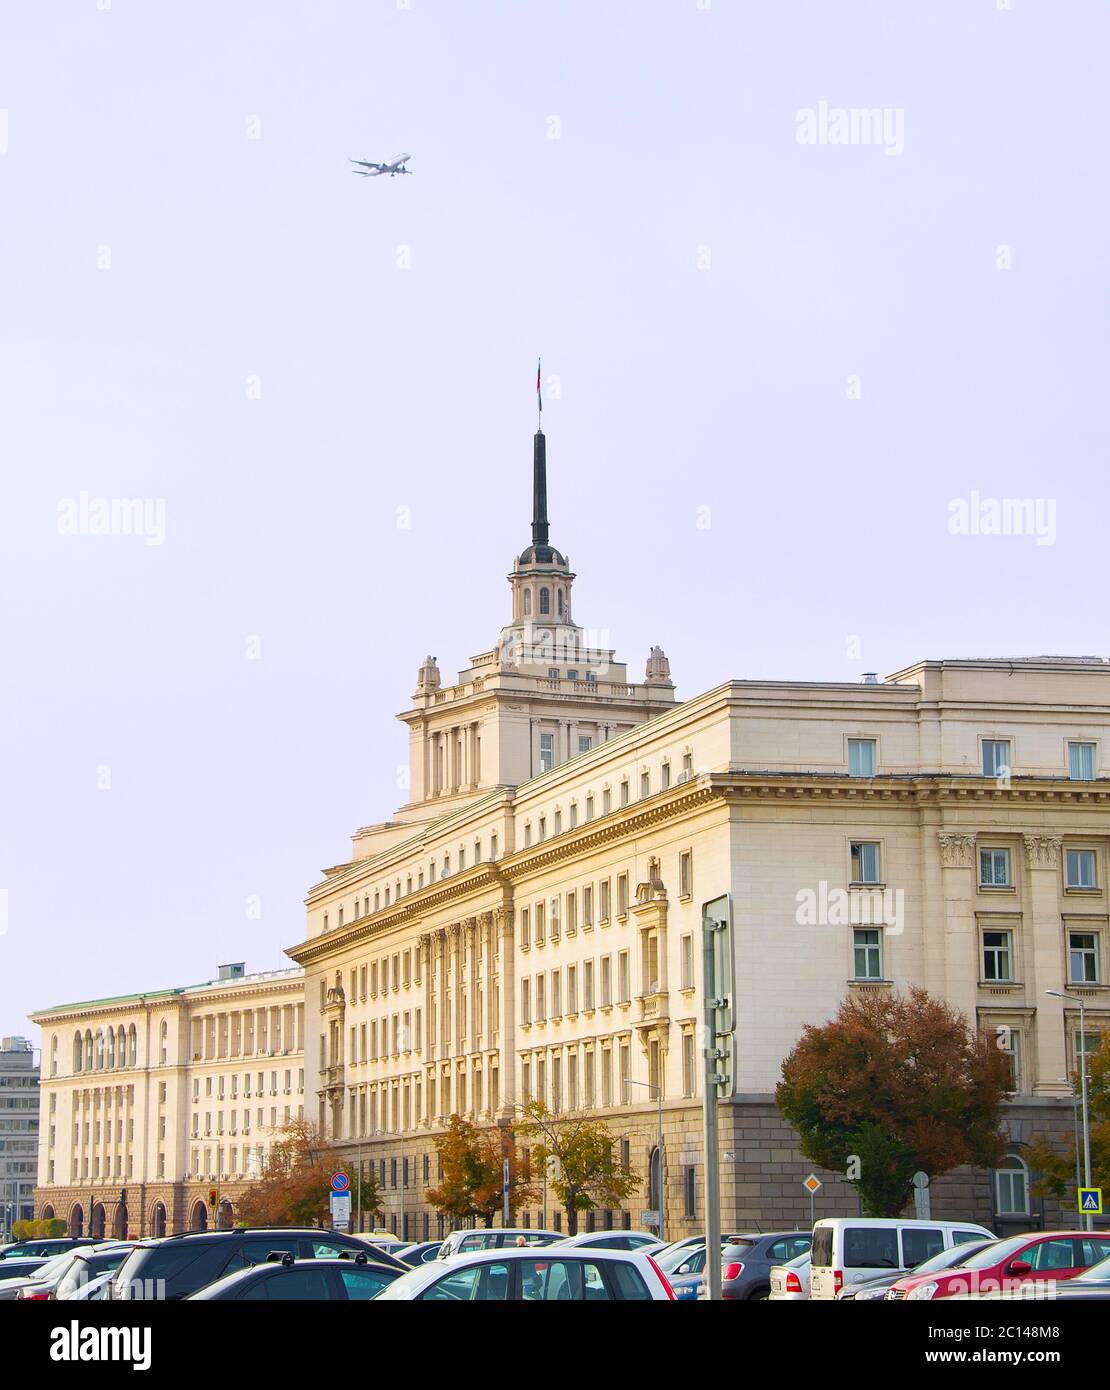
{"x": 539, "y": 397}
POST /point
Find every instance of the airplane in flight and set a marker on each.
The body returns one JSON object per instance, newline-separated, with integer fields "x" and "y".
{"x": 393, "y": 166}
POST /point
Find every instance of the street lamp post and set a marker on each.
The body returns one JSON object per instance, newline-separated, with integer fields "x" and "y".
{"x": 652, "y": 1086}
{"x": 1088, "y": 1220}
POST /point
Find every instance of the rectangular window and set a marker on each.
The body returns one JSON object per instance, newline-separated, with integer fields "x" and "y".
{"x": 996, "y": 757}
{"x": 589, "y": 808}
{"x": 606, "y": 801}
{"x": 622, "y": 894}
{"x": 585, "y": 743}
{"x": 603, "y": 905}
{"x": 861, "y": 757}
{"x": 1083, "y": 957}
{"x": 624, "y": 792}
{"x": 689, "y": 1192}
{"x": 998, "y": 955}
{"x": 541, "y": 1003}
{"x": 645, "y": 784}
{"x": 555, "y": 919}
{"x": 539, "y": 924}
{"x": 572, "y": 913}
{"x": 588, "y": 984}
{"x": 607, "y": 1076}
{"x": 665, "y": 776}
{"x": 994, "y": 868}
{"x": 588, "y": 905}
{"x": 622, "y": 978}
{"x": 573, "y": 814}
{"x": 606, "y": 981}
{"x": 865, "y": 861}
{"x": 1081, "y": 868}
{"x": 1010, "y": 1044}
{"x": 685, "y": 874}
{"x": 547, "y": 752}
{"x": 572, "y": 989}
{"x": 688, "y": 1064}
{"x": 868, "y": 953}
{"x": 556, "y": 994}
{"x": 524, "y": 937}
{"x": 1081, "y": 762}
{"x": 687, "y": 954}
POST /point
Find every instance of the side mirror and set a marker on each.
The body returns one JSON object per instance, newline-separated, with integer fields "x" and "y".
{"x": 684, "y": 1269}
{"x": 1019, "y": 1267}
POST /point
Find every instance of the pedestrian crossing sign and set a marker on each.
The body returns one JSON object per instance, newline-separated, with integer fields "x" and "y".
{"x": 1090, "y": 1201}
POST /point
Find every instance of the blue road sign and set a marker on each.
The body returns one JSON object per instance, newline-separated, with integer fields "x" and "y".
{"x": 340, "y": 1182}
{"x": 1090, "y": 1200}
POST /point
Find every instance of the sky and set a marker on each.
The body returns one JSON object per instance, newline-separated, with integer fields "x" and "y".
{"x": 795, "y": 361}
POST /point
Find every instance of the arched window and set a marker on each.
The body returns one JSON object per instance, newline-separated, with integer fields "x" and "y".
{"x": 158, "y": 1221}
{"x": 165, "y": 1040}
{"x": 560, "y": 603}
{"x": 100, "y": 1049}
{"x": 110, "y": 1052}
{"x": 1011, "y": 1187}
{"x": 132, "y": 1046}
{"x": 545, "y": 601}
{"x": 121, "y": 1047}
{"x": 88, "y": 1049}
{"x": 78, "y": 1051}
{"x": 528, "y": 603}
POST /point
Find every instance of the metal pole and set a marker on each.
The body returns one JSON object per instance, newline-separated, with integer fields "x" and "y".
{"x": 1088, "y": 1218}
{"x": 358, "y": 1199}
{"x": 712, "y": 1172}
{"x": 662, "y": 1187}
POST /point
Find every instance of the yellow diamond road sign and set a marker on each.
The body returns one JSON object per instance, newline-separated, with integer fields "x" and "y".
{"x": 812, "y": 1183}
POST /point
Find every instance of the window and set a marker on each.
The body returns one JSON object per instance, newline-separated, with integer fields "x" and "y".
{"x": 541, "y": 1005}
{"x": 1081, "y": 761}
{"x": 1081, "y": 868}
{"x": 624, "y": 792}
{"x": 688, "y": 1064}
{"x": 994, "y": 868}
{"x": 867, "y": 950}
{"x": 622, "y": 978}
{"x": 543, "y": 828}
{"x": 590, "y": 807}
{"x": 998, "y": 955}
{"x": 919, "y": 1244}
{"x": 689, "y": 1192}
{"x": 547, "y": 752}
{"x": 606, "y": 982}
{"x": 539, "y": 924}
{"x": 1010, "y": 1045}
{"x": 604, "y": 905}
{"x": 588, "y": 985}
{"x": 572, "y": 913}
{"x": 1083, "y": 958}
{"x": 1011, "y": 1187}
{"x": 545, "y": 601}
{"x": 861, "y": 757}
{"x": 996, "y": 757}
{"x": 687, "y": 956}
{"x": 588, "y": 906}
{"x": 572, "y": 989}
{"x": 481, "y": 1283}
{"x": 622, "y": 894}
{"x": 645, "y": 784}
{"x": 573, "y": 814}
{"x": 585, "y": 743}
{"x": 865, "y": 861}
{"x": 556, "y": 994}
{"x": 606, "y": 801}
{"x": 665, "y": 775}
{"x": 685, "y": 874}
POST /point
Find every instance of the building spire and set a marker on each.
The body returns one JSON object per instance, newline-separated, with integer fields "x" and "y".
{"x": 539, "y": 490}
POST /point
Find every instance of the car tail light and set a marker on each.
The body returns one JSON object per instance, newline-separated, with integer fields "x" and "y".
{"x": 733, "y": 1271}
{"x": 33, "y": 1297}
{"x": 662, "y": 1278}
{"x": 838, "y": 1280}
{"x": 793, "y": 1283}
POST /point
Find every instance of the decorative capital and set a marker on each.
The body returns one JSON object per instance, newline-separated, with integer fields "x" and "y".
{"x": 956, "y": 850}
{"x": 1042, "y": 851}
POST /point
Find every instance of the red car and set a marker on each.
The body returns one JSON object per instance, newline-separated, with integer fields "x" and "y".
{"x": 1007, "y": 1264}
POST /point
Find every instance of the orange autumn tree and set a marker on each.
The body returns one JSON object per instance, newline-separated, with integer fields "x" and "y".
{"x": 891, "y": 1085}
{"x": 294, "y": 1186}
{"x": 470, "y": 1159}
{"x": 1056, "y": 1166}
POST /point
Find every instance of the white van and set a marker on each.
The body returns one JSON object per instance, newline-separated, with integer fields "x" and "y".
{"x": 849, "y": 1249}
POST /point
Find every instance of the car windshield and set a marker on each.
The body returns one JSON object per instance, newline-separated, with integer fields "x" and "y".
{"x": 53, "y": 1266}
{"x": 670, "y": 1260}
{"x": 949, "y": 1259}
{"x": 1096, "y": 1274}
{"x": 996, "y": 1253}
{"x": 736, "y": 1250}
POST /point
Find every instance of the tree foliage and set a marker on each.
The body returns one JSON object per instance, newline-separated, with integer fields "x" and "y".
{"x": 579, "y": 1152}
{"x": 1056, "y": 1166}
{"x": 892, "y": 1085}
{"x": 41, "y": 1227}
{"x": 294, "y": 1186}
{"x": 471, "y": 1160}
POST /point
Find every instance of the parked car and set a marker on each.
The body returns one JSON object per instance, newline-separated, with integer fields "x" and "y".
{"x": 10, "y": 1289}
{"x": 872, "y": 1289}
{"x": 81, "y": 1265}
{"x": 12, "y": 1270}
{"x": 747, "y": 1262}
{"x": 95, "y": 1291}
{"x": 848, "y": 1250}
{"x": 611, "y": 1240}
{"x": 175, "y": 1266}
{"x": 1008, "y": 1264}
{"x": 355, "y": 1279}
{"x": 419, "y": 1254}
{"x": 790, "y": 1282}
{"x": 45, "y": 1246}
{"x": 549, "y": 1275}
{"x": 493, "y": 1238}
{"x": 683, "y": 1263}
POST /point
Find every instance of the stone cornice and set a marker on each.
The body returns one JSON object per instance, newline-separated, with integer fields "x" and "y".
{"x": 912, "y": 788}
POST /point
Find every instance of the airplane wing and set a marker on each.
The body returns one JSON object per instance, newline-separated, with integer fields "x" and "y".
{"x": 370, "y": 166}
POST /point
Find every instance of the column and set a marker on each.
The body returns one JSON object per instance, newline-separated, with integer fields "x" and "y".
{"x": 472, "y": 940}
{"x": 961, "y": 949}
{"x": 1042, "y": 929}
{"x": 444, "y": 1016}
{"x": 504, "y": 927}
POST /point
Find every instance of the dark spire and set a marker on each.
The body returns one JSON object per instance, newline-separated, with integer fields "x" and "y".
{"x": 539, "y": 490}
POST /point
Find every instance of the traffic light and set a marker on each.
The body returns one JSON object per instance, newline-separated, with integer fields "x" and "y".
{"x": 719, "y": 984}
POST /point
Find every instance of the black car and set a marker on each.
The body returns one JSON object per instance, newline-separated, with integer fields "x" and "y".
{"x": 177, "y": 1266}
{"x": 421, "y": 1253}
{"x": 21, "y": 1268}
{"x": 46, "y": 1247}
{"x": 284, "y": 1279}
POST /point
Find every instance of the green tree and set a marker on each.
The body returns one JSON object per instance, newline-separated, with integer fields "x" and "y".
{"x": 580, "y": 1152}
{"x": 470, "y": 1160}
{"x": 892, "y": 1085}
{"x": 1057, "y": 1166}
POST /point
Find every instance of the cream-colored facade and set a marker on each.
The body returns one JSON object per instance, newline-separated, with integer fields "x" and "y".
{"x": 529, "y": 923}
{"x": 152, "y": 1101}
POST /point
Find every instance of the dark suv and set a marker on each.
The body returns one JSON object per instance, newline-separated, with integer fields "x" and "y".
{"x": 175, "y": 1266}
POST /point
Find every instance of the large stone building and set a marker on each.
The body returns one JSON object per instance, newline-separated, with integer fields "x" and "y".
{"x": 528, "y": 924}
{"x": 150, "y": 1102}
{"x": 19, "y": 1137}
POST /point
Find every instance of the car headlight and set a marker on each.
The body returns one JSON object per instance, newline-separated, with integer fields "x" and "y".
{"x": 923, "y": 1291}
{"x": 868, "y": 1295}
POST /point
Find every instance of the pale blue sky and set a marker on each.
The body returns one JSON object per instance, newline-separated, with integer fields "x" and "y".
{"x": 682, "y": 388}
